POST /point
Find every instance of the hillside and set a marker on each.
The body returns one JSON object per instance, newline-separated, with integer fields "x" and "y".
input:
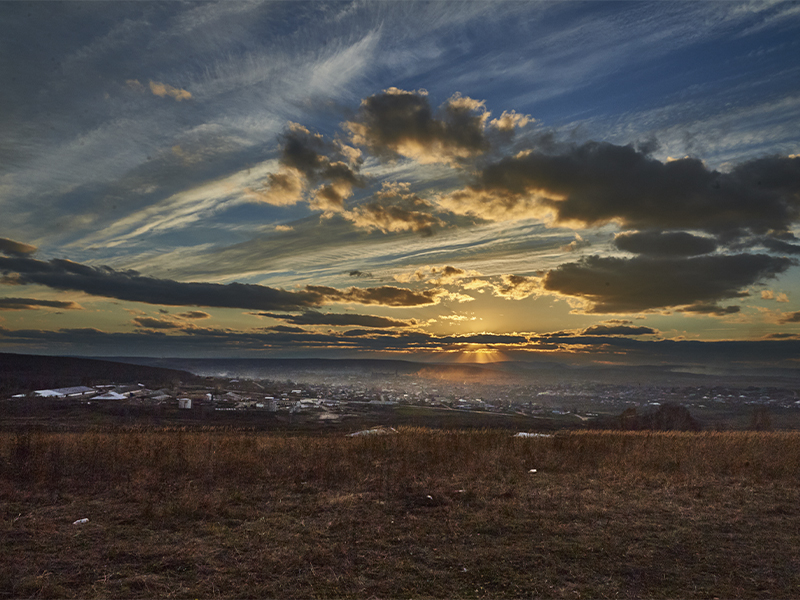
{"x": 21, "y": 373}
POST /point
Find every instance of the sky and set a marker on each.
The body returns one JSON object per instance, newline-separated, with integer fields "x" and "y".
{"x": 589, "y": 182}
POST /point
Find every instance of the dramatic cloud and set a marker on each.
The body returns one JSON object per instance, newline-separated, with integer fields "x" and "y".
{"x": 194, "y": 314}
{"x": 400, "y": 123}
{"x": 597, "y": 183}
{"x": 782, "y": 336}
{"x": 446, "y": 275}
{"x": 712, "y": 309}
{"x": 316, "y": 318}
{"x": 508, "y": 121}
{"x": 618, "y": 329}
{"x": 517, "y": 287}
{"x": 176, "y": 321}
{"x": 395, "y": 209}
{"x": 32, "y": 304}
{"x": 617, "y": 285}
{"x": 306, "y": 158}
{"x": 130, "y": 285}
{"x": 792, "y": 317}
{"x": 510, "y": 287}
{"x": 153, "y": 323}
{"x": 658, "y": 243}
{"x": 781, "y": 246}
{"x": 281, "y": 189}
{"x": 12, "y": 248}
{"x": 385, "y": 296}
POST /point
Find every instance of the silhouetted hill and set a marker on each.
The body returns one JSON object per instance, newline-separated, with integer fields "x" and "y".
{"x": 22, "y": 372}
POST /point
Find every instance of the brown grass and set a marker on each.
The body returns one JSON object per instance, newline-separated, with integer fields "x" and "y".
{"x": 420, "y": 513}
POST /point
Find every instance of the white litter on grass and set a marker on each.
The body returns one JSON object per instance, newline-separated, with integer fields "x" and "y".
{"x": 81, "y": 521}
{"x": 375, "y": 431}
{"x": 532, "y": 471}
{"x": 523, "y": 434}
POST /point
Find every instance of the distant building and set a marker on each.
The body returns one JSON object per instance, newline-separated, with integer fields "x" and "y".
{"x": 69, "y": 392}
{"x": 185, "y": 403}
{"x": 111, "y": 396}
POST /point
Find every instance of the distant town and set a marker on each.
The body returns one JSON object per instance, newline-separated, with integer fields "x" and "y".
{"x": 326, "y": 402}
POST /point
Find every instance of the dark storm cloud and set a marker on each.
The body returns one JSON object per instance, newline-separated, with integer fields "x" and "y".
{"x": 401, "y": 123}
{"x": 310, "y": 154}
{"x": 658, "y": 243}
{"x": 712, "y": 309}
{"x": 792, "y": 317}
{"x": 395, "y": 209}
{"x": 194, "y": 314}
{"x": 286, "y": 329}
{"x": 306, "y": 158}
{"x": 618, "y": 285}
{"x": 32, "y": 303}
{"x": 12, "y": 248}
{"x": 780, "y": 246}
{"x": 153, "y": 323}
{"x": 312, "y": 317}
{"x": 597, "y": 183}
{"x": 384, "y": 295}
{"x": 131, "y": 286}
{"x": 618, "y": 329}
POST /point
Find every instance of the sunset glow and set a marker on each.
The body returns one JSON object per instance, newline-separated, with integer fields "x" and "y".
{"x": 577, "y": 181}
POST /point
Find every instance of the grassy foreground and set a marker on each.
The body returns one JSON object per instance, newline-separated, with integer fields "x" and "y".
{"x": 421, "y": 513}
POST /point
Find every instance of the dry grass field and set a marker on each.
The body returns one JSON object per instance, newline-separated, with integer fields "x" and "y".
{"x": 422, "y": 513}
